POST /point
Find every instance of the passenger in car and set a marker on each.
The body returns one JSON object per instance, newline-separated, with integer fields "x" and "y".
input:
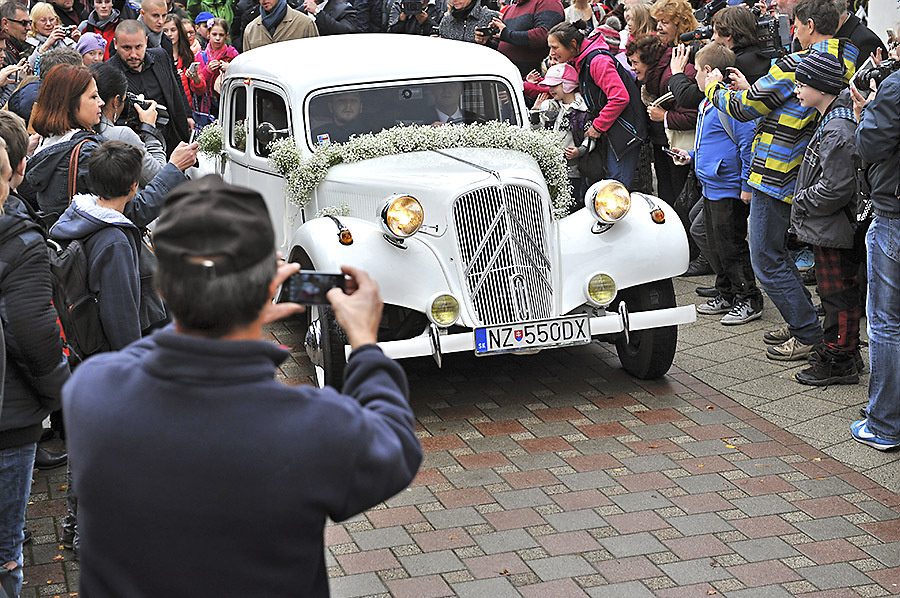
{"x": 447, "y": 107}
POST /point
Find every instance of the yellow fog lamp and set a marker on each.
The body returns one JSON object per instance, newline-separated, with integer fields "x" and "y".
{"x": 402, "y": 216}
{"x": 443, "y": 310}
{"x": 600, "y": 290}
{"x": 608, "y": 201}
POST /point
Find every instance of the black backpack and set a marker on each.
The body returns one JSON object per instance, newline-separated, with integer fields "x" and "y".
{"x": 630, "y": 130}
{"x": 76, "y": 306}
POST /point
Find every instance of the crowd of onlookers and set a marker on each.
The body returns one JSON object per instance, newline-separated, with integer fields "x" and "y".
{"x": 770, "y": 160}
{"x": 781, "y": 174}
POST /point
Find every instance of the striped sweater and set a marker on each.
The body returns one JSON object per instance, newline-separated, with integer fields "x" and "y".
{"x": 785, "y": 127}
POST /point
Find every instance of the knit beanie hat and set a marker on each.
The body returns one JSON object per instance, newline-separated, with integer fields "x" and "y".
{"x": 823, "y": 72}
{"x": 90, "y": 41}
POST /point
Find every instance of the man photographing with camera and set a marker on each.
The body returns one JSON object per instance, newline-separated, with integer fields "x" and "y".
{"x": 150, "y": 74}
{"x": 186, "y": 442}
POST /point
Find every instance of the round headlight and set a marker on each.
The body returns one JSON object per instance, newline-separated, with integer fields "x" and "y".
{"x": 600, "y": 290}
{"x": 608, "y": 201}
{"x": 402, "y": 216}
{"x": 444, "y": 310}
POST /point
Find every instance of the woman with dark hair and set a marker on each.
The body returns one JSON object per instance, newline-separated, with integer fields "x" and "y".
{"x": 112, "y": 85}
{"x": 173, "y": 27}
{"x": 67, "y": 110}
{"x": 735, "y": 27}
{"x": 191, "y": 31}
{"x": 649, "y": 57}
{"x": 607, "y": 94}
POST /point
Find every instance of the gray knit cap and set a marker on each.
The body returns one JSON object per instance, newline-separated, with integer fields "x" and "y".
{"x": 823, "y": 72}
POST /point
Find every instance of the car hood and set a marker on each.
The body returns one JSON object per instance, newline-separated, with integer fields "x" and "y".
{"x": 434, "y": 170}
{"x": 434, "y": 178}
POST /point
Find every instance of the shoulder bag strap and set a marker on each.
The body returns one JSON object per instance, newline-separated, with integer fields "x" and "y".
{"x": 73, "y": 169}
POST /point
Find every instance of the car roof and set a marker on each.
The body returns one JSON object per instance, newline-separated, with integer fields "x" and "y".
{"x": 317, "y": 62}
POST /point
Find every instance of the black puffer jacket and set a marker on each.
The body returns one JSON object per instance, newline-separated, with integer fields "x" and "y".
{"x": 35, "y": 365}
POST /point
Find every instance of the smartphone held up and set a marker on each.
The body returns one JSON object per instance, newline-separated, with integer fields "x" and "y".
{"x": 308, "y": 287}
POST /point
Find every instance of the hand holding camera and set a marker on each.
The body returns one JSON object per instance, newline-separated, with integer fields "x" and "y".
{"x": 147, "y": 115}
{"x": 736, "y": 80}
{"x": 11, "y": 73}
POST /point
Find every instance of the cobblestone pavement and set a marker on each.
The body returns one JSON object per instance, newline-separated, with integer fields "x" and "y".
{"x": 559, "y": 475}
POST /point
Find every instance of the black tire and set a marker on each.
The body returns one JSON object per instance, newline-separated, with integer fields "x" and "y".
{"x": 333, "y": 340}
{"x": 649, "y": 353}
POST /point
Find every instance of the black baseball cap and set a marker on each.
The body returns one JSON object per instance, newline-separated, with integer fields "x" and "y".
{"x": 211, "y": 228}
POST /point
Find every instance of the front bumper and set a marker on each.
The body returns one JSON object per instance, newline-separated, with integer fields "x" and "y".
{"x": 610, "y": 323}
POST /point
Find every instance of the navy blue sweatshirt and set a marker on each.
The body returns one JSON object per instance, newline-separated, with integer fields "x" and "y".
{"x": 111, "y": 244}
{"x": 199, "y": 474}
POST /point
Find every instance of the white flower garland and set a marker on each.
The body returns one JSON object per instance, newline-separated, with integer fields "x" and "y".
{"x": 303, "y": 175}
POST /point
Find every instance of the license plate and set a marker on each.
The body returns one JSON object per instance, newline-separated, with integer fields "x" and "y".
{"x": 525, "y": 336}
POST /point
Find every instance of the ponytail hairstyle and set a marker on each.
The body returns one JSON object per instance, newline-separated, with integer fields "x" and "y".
{"x": 570, "y": 35}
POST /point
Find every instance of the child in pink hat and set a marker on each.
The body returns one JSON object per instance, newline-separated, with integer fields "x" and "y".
{"x": 564, "y": 110}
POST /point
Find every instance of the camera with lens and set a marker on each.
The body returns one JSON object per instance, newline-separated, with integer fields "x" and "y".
{"x": 488, "y": 31}
{"x": 704, "y": 16}
{"x": 702, "y": 32}
{"x": 877, "y": 74}
{"x": 411, "y": 7}
{"x": 131, "y": 116}
{"x": 773, "y": 33}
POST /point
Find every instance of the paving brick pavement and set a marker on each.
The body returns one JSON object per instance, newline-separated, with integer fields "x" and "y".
{"x": 559, "y": 475}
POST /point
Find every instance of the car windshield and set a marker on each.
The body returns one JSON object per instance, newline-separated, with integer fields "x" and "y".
{"x": 335, "y": 116}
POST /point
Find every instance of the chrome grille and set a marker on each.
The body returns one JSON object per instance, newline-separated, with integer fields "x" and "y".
{"x": 503, "y": 245}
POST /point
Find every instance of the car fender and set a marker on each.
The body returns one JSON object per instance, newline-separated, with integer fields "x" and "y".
{"x": 633, "y": 251}
{"x": 408, "y": 276}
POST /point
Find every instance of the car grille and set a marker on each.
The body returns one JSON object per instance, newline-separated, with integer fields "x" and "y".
{"x": 503, "y": 244}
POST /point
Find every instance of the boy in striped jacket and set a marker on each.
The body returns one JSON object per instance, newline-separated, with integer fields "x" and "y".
{"x": 782, "y": 134}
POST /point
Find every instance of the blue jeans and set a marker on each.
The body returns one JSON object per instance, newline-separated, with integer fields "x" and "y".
{"x": 775, "y": 270}
{"x": 883, "y": 313}
{"x": 16, "y": 465}
{"x": 623, "y": 170}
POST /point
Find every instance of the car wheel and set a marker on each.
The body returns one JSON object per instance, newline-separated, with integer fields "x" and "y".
{"x": 325, "y": 341}
{"x": 648, "y": 353}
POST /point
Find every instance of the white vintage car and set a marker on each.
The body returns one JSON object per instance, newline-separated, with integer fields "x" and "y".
{"x": 462, "y": 242}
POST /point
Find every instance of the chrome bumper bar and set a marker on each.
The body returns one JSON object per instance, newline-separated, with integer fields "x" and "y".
{"x": 611, "y": 323}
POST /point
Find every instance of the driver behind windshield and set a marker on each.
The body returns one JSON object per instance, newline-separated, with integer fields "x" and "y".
{"x": 345, "y": 109}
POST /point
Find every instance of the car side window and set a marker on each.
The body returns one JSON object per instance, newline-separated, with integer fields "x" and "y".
{"x": 270, "y": 118}
{"x": 239, "y": 118}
